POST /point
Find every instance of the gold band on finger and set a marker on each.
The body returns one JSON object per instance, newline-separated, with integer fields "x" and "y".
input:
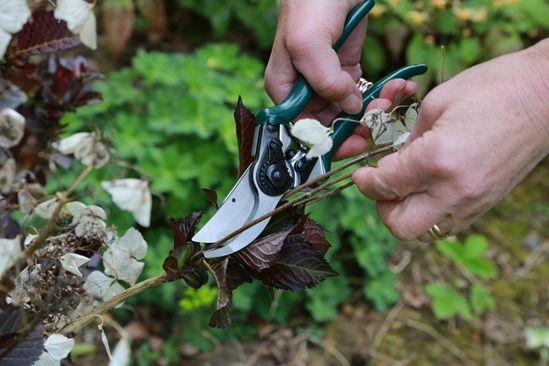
{"x": 436, "y": 234}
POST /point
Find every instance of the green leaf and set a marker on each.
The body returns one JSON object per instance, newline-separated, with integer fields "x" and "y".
{"x": 452, "y": 249}
{"x": 481, "y": 300}
{"x": 481, "y": 267}
{"x": 475, "y": 246}
{"x": 447, "y": 301}
{"x": 469, "y": 50}
{"x": 382, "y": 291}
{"x": 470, "y": 255}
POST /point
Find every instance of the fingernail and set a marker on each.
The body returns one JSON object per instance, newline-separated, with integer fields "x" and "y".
{"x": 351, "y": 104}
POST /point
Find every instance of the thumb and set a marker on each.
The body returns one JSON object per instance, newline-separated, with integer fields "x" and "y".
{"x": 396, "y": 176}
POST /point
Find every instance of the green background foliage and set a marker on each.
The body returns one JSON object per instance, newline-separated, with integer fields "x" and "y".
{"x": 169, "y": 116}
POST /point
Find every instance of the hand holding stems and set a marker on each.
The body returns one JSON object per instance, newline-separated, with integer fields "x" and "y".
{"x": 476, "y": 137}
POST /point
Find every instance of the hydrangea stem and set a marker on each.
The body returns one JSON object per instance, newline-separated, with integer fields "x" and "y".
{"x": 62, "y": 197}
{"x": 136, "y": 289}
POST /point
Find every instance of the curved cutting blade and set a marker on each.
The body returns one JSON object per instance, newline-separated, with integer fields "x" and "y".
{"x": 234, "y": 212}
{"x": 265, "y": 204}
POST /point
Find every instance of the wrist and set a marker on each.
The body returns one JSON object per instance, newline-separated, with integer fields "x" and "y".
{"x": 535, "y": 87}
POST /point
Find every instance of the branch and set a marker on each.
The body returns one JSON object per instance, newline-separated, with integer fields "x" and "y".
{"x": 52, "y": 221}
{"x": 136, "y": 289}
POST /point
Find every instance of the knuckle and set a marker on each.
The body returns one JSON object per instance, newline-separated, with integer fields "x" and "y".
{"x": 397, "y": 229}
{"x": 442, "y": 160}
{"x": 299, "y": 43}
{"x": 331, "y": 86}
{"x": 468, "y": 188}
{"x": 386, "y": 190}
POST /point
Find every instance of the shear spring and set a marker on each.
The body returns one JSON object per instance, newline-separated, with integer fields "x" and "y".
{"x": 363, "y": 84}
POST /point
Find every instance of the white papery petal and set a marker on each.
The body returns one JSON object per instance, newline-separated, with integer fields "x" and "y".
{"x": 410, "y": 116}
{"x": 75, "y": 209}
{"x": 133, "y": 242}
{"x": 310, "y": 131}
{"x": 90, "y": 226}
{"x": 101, "y": 286}
{"x": 104, "y": 340}
{"x": 71, "y": 144}
{"x": 28, "y": 239}
{"x": 401, "y": 140}
{"x": 71, "y": 261}
{"x": 12, "y": 127}
{"x": 122, "y": 353}
{"x": 80, "y": 19}
{"x": 121, "y": 265}
{"x": 375, "y": 117}
{"x": 58, "y": 346}
{"x": 97, "y": 284}
{"x": 7, "y": 175}
{"x": 5, "y": 39}
{"x": 320, "y": 149}
{"x": 46, "y": 360}
{"x": 97, "y": 212}
{"x": 132, "y": 195}
{"x": 13, "y": 15}
{"x": 10, "y": 252}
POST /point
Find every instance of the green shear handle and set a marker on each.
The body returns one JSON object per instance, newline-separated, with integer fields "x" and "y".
{"x": 301, "y": 93}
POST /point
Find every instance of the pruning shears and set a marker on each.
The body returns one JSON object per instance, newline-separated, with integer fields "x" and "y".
{"x": 280, "y": 163}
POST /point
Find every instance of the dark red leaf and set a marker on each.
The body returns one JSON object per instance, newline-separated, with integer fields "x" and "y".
{"x": 175, "y": 264}
{"x": 237, "y": 275}
{"x": 23, "y": 348}
{"x": 62, "y": 81}
{"x": 312, "y": 233}
{"x": 43, "y": 34}
{"x": 194, "y": 276}
{"x": 298, "y": 267}
{"x": 218, "y": 268}
{"x": 245, "y": 126}
{"x": 261, "y": 253}
{"x": 183, "y": 230}
{"x": 88, "y": 97}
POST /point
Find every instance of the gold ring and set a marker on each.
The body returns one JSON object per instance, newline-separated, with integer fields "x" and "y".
{"x": 436, "y": 234}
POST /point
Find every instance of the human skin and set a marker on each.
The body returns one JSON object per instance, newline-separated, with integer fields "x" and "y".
{"x": 476, "y": 136}
{"x": 306, "y": 31}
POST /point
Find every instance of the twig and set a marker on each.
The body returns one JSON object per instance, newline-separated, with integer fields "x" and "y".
{"x": 534, "y": 258}
{"x": 52, "y": 221}
{"x": 358, "y": 159}
{"x": 388, "y": 360}
{"x": 302, "y": 199}
{"x": 441, "y": 339}
{"x": 387, "y": 322}
{"x": 328, "y": 194}
{"x": 334, "y": 352}
{"x": 83, "y": 320}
